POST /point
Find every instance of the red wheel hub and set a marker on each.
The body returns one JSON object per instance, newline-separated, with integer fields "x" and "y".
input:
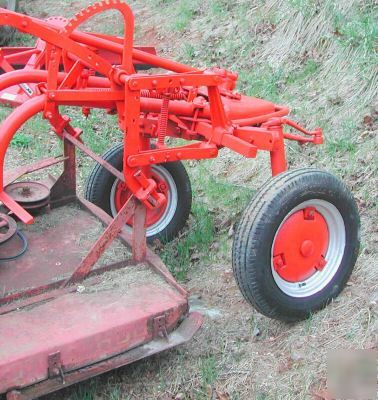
{"x": 300, "y": 245}
{"x": 123, "y": 193}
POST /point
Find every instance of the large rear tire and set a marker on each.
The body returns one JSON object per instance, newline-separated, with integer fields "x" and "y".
{"x": 296, "y": 244}
{"x": 6, "y": 32}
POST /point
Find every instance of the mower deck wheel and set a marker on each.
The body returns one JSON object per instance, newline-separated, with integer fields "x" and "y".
{"x": 110, "y": 194}
{"x": 296, "y": 244}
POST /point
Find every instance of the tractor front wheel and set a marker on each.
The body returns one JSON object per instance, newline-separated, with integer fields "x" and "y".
{"x": 163, "y": 223}
{"x": 296, "y": 244}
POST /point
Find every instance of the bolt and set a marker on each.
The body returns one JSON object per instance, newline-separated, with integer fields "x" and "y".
{"x": 132, "y": 161}
{"x": 321, "y": 264}
{"x": 278, "y": 262}
{"x": 26, "y": 191}
{"x": 307, "y": 248}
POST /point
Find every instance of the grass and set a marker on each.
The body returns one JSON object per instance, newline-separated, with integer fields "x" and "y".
{"x": 180, "y": 254}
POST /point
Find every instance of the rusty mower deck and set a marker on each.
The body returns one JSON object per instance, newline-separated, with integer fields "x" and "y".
{"x": 55, "y": 332}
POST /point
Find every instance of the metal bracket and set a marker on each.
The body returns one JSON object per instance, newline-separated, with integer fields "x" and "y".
{"x": 55, "y": 367}
{"x": 160, "y": 326}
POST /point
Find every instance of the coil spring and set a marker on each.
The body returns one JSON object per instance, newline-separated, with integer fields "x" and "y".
{"x": 163, "y": 120}
{"x": 156, "y": 95}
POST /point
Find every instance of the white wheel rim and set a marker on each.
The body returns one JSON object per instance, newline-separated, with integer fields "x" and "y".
{"x": 334, "y": 255}
{"x": 172, "y": 202}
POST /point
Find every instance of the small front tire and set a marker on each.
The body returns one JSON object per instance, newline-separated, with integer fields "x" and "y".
{"x": 165, "y": 223}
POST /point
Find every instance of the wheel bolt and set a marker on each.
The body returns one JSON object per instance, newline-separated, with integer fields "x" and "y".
{"x": 307, "y": 248}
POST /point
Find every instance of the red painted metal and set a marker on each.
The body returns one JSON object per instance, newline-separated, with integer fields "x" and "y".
{"x": 16, "y": 173}
{"x": 84, "y": 327}
{"x": 103, "y": 242}
{"x": 300, "y": 245}
{"x": 199, "y": 105}
{"x": 67, "y": 331}
{"x": 181, "y": 335}
{"x": 122, "y": 194}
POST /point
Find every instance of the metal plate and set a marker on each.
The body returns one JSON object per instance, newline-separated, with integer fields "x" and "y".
{"x": 9, "y": 225}
{"x": 28, "y": 193}
{"x": 85, "y": 328}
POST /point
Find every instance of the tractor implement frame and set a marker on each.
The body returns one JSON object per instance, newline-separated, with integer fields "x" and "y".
{"x": 72, "y": 68}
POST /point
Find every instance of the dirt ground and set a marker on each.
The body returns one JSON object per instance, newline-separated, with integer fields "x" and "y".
{"x": 239, "y": 354}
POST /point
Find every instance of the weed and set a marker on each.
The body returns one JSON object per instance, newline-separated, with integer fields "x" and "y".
{"x": 208, "y": 370}
{"x": 340, "y": 146}
{"x": 85, "y": 391}
{"x": 193, "y": 245}
{"x": 308, "y": 323}
{"x": 188, "y": 51}
{"x": 183, "y": 15}
{"x": 21, "y": 140}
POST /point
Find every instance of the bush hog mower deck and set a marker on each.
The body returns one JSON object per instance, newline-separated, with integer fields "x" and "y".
{"x": 65, "y": 317}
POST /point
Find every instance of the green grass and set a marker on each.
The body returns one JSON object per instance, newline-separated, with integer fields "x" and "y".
{"x": 214, "y": 201}
{"x": 86, "y": 391}
{"x": 180, "y": 254}
{"x": 208, "y": 370}
{"x": 183, "y": 15}
{"x": 21, "y": 140}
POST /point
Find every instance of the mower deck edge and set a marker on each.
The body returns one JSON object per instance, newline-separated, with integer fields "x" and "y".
{"x": 181, "y": 335}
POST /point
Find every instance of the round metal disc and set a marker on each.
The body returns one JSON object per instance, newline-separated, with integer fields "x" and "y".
{"x": 8, "y": 227}
{"x": 28, "y": 192}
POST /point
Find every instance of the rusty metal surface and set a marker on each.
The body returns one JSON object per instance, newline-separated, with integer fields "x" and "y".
{"x": 151, "y": 258}
{"x": 139, "y": 233}
{"x": 15, "y": 173}
{"x": 63, "y": 190}
{"x": 182, "y": 334}
{"x": 103, "y": 242}
{"x": 8, "y": 227}
{"x": 94, "y": 156}
{"x": 84, "y": 327}
{"x": 28, "y": 193}
{"x": 47, "y": 259}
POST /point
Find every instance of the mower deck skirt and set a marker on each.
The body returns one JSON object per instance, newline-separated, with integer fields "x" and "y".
{"x": 83, "y": 327}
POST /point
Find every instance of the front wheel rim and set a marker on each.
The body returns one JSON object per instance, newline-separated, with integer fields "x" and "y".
{"x": 333, "y": 256}
{"x": 165, "y": 217}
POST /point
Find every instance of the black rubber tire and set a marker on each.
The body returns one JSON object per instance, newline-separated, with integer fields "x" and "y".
{"x": 251, "y": 253}
{"x": 100, "y": 182}
{"x": 6, "y": 32}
